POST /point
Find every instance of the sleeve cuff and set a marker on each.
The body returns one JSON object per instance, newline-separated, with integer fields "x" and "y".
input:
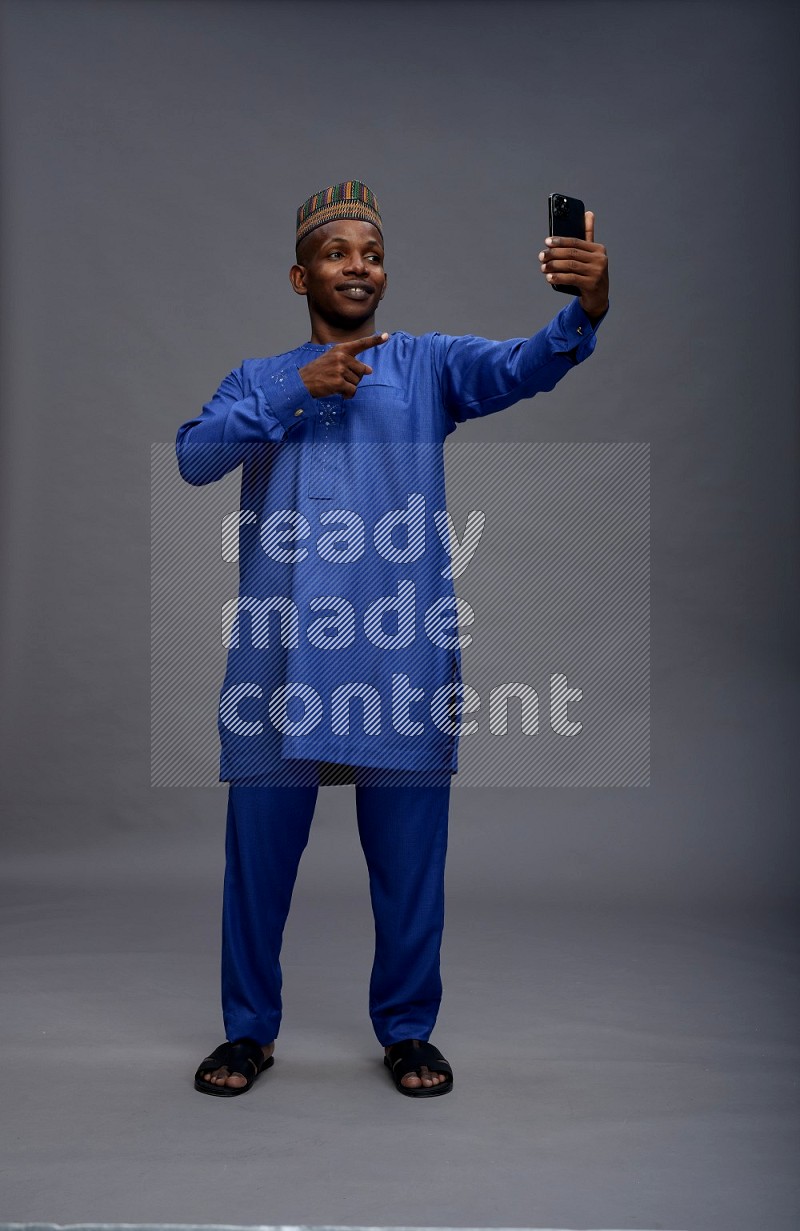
{"x": 287, "y": 398}
{"x": 573, "y": 331}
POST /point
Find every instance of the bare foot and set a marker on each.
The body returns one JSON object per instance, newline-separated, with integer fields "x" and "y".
{"x": 221, "y": 1076}
{"x": 425, "y": 1078}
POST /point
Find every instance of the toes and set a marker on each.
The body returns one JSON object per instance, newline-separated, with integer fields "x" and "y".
{"x": 423, "y": 1078}
{"x": 221, "y": 1077}
{"x": 412, "y": 1080}
{"x": 429, "y": 1078}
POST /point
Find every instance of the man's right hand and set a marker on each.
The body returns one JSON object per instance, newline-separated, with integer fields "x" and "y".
{"x": 338, "y": 370}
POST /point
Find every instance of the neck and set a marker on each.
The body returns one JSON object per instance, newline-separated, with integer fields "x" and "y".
{"x": 323, "y": 332}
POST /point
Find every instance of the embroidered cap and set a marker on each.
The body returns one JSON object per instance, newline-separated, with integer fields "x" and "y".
{"x": 350, "y": 199}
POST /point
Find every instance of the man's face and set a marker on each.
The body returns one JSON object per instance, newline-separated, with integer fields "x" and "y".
{"x": 340, "y": 269}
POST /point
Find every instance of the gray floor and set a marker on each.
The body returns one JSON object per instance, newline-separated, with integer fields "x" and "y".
{"x": 625, "y": 1068}
{"x": 144, "y": 1226}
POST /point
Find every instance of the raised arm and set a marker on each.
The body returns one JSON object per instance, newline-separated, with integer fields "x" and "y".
{"x": 478, "y": 376}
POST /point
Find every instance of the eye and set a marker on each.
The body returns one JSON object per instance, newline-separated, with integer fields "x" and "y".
{"x": 374, "y": 257}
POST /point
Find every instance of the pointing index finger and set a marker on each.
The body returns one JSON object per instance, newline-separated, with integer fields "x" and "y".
{"x": 359, "y": 344}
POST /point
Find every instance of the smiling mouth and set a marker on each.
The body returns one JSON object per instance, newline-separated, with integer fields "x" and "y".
{"x": 355, "y": 292}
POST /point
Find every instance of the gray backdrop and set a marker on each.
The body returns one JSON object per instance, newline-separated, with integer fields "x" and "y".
{"x": 153, "y": 155}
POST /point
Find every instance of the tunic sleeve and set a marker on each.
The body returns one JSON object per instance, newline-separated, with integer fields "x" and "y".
{"x": 218, "y": 439}
{"x": 478, "y": 376}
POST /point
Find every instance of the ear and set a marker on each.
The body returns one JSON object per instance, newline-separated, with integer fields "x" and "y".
{"x": 385, "y": 282}
{"x": 297, "y": 277}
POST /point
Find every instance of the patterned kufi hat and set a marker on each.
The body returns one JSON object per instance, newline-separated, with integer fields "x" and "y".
{"x": 350, "y": 199}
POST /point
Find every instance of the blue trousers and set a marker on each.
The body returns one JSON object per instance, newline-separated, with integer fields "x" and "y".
{"x": 403, "y": 832}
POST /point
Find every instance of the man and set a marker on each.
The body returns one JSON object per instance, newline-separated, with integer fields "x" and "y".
{"x": 347, "y": 431}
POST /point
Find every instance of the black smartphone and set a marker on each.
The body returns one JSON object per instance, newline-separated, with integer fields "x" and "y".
{"x": 565, "y": 217}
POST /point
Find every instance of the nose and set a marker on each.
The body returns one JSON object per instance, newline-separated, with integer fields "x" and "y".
{"x": 356, "y": 264}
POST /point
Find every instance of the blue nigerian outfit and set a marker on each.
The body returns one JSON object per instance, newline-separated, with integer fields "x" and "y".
{"x": 340, "y": 649}
{"x": 343, "y": 660}
{"x": 403, "y": 833}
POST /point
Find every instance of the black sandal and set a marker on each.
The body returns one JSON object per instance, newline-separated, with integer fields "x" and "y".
{"x": 234, "y": 1056}
{"x": 407, "y": 1056}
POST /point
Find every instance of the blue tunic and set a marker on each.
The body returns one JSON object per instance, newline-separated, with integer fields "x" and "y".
{"x": 343, "y": 644}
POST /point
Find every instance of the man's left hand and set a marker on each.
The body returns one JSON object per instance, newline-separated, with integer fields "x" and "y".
{"x": 581, "y": 263}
